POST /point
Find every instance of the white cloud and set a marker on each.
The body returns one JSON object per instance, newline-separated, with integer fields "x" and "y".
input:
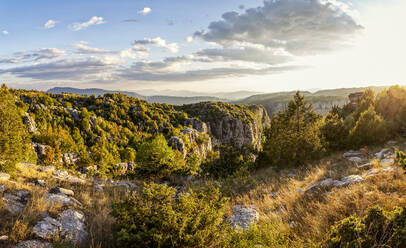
{"x": 189, "y": 39}
{"x": 83, "y": 48}
{"x": 135, "y": 52}
{"x": 95, "y": 20}
{"x": 159, "y": 42}
{"x": 301, "y": 27}
{"x": 5, "y": 32}
{"x": 249, "y": 53}
{"x": 34, "y": 56}
{"x": 92, "y": 68}
{"x": 145, "y": 11}
{"x": 50, "y": 24}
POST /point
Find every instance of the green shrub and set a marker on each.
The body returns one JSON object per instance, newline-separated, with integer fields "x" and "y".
{"x": 158, "y": 216}
{"x": 401, "y": 159}
{"x": 369, "y": 129}
{"x": 227, "y": 161}
{"x": 377, "y": 229}
{"x": 156, "y": 159}
{"x": 265, "y": 236}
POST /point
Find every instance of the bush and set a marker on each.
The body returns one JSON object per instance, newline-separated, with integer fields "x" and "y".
{"x": 369, "y": 129}
{"x": 265, "y": 236}
{"x": 227, "y": 161}
{"x": 158, "y": 216}
{"x": 401, "y": 159}
{"x": 377, "y": 229}
{"x": 156, "y": 159}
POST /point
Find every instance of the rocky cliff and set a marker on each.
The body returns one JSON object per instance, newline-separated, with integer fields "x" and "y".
{"x": 234, "y": 125}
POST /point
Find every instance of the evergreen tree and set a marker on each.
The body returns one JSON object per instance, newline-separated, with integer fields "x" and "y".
{"x": 12, "y": 131}
{"x": 294, "y": 136}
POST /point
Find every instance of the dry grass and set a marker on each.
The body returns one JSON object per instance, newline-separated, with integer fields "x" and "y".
{"x": 275, "y": 194}
{"x": 280, "y": 200}
{"x": 96, "y": 206}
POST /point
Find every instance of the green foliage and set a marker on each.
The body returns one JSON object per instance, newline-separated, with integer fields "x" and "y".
{"x": 159, "y": 217}
{"x": 391, "y": 105}
{"x": 294, "y": 136}
{"x": 156, "y": 159}
{"x": 265, "y": 236}
{"x": 334, "y": 132}
{"x": 401, "y": 159}
{"x": 377, "y": 229}
{"x": 369, "y": 129}
{"x": 13, "y": 135}
{"x": 227, "y": 161}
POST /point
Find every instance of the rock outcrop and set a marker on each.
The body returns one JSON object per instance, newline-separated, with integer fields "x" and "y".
{"x": 69, "y": 226}
{"x": 233, "y": 125}
{"x": 243, "y": 217}
{"x": 191, "y": 141}
{"x": 15, "y": 204}
{"x": 30, "y": 123}
{"x": 33, "y": 244}
{"x": 70, "y": 158}
{"x": 41, "y": 150}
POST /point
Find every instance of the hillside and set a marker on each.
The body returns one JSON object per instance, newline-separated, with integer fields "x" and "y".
{"x": 173, "y": 100}
{"x": 117, "y": 171}
{"x": 322, "y": 100}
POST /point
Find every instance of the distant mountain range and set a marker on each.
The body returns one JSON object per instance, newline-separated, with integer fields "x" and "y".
{"x": 322, "y": 100}
{"x": 174, "y": 100}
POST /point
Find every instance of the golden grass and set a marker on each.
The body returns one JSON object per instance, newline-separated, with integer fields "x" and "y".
{"x": 280, "y": 201}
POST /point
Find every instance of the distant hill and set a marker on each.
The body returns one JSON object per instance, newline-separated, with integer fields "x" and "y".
{"x": 174, "y": 100}
{"x": 178, "y": 100}
{"x": 235, "y": 95}
{"x": 92, "y": 91}
{"x": 322, "y": 100}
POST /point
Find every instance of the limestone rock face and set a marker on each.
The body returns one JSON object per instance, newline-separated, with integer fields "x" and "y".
{"x": 70, "y": 158}
{"x": 243, "y": 217}
{"x": 33, "y": 244}
{"x": 350, "y": 180}
{"x": 200, "y": 142}
{"x": 30, "y": 123}
{"x": 14, "y": 203}
{"x": 59, "y": 190}
{"x": 61, "y": 199}
{"x": 178, "y": 144}
{"x": 47, "y": 228}
{"x": 64, "y": 175}
{"x": 73, "y": 226}
{"x": 196, "y": 124}
{"x": 40, "y": 149}
{"x": 75, "y": 113}
{"x": 69, "y": 226}
{"x": 233, "y": 125}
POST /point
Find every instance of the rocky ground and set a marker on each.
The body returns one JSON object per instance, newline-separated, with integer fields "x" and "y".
{"x": 48, "y": 207}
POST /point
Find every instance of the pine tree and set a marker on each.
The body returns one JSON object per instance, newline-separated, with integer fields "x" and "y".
{"x": 12, "y": 131}
{"x": 294, "y": 136}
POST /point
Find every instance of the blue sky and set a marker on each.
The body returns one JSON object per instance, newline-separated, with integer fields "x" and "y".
{"x": 206, "y": 46}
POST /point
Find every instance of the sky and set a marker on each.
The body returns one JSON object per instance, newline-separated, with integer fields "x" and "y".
{"x": 205, "y": 46}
